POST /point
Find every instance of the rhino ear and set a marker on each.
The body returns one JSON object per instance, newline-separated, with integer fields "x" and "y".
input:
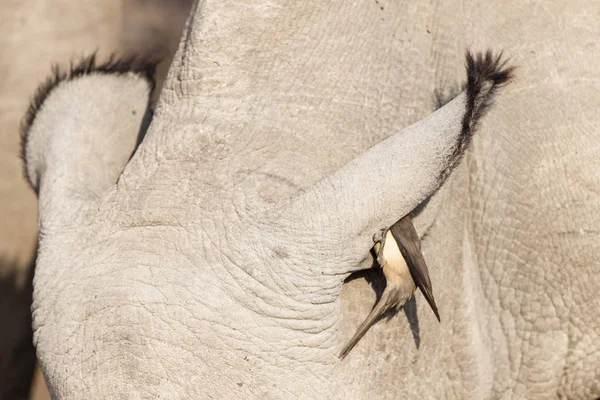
{"x": 389, "y": 180}
{"x": 83, "y": 124}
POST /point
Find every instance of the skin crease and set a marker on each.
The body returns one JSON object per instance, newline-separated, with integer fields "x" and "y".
{"x": 139, "y": 303}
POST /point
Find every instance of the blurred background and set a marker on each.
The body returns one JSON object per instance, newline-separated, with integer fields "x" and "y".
{"x": 33, "y": 36}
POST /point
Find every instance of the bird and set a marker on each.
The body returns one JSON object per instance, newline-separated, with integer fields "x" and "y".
{"x": 399, "y": 255}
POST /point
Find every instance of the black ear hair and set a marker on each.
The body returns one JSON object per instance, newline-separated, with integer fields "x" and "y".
{"x": 146, "y": 68}
{"x": 486, "y": 73}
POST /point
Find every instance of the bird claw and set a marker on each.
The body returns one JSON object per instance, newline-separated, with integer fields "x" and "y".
{"x": 379, "y": 239}
{"x": 379, "y": 235}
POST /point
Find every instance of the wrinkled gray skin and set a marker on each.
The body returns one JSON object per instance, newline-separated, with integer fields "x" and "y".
{"x": 213, "y": 268}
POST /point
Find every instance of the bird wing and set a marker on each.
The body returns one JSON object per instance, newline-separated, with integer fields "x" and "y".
{"x": 410, "y": 246}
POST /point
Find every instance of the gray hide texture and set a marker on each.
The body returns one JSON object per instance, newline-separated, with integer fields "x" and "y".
{"x": 214, "y": 267}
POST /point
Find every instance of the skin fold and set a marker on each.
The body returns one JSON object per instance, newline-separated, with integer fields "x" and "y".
{"x": 211, "y": 263}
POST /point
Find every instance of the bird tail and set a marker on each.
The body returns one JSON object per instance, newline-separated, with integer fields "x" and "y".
{"x": 389, "y": 299}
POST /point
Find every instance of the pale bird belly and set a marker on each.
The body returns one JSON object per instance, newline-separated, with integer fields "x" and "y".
{"x": 395, "y": 268}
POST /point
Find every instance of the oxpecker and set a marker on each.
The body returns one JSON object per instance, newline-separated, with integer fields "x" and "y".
{"x": 399, "y": 254}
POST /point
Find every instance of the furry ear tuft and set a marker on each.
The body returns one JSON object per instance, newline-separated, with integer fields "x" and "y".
{"x": 146, "y": 68}
{"x": 486, "y": 73}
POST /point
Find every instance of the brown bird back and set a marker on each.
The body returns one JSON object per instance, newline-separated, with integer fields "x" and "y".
{"x": 410, "y": 245}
